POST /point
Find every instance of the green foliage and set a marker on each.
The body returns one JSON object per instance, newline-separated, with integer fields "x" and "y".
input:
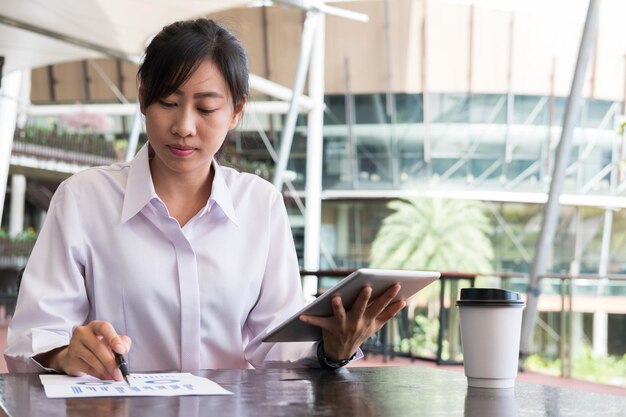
{"x": 606, "y": 370}
{"x": 28, "y": 235}
{"x": 424, "y": 339}
{"x": 543, "y": 365}
{"x": 121, "y": 144}
{"x": 20, "y": 245}
{"x": 435, "y": 234}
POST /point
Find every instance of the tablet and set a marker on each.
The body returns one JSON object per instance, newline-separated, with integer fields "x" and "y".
{"x": 295, "y": 330}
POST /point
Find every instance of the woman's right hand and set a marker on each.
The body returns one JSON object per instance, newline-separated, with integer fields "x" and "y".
{"x": 90, "y": 352}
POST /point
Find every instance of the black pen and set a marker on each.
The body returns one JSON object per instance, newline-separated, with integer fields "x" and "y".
{"x": 121, "y": 363}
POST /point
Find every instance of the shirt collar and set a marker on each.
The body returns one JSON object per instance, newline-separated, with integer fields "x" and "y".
{"x": 221, "y": 194}
{"x": 140, "y": 188}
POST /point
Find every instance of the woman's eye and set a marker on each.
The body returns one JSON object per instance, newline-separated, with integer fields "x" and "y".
{"x": 206, "y": 111}
{"x": 166, "y": 103}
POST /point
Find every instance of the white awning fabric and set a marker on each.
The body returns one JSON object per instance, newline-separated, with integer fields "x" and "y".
{"x": 120, "y": 25}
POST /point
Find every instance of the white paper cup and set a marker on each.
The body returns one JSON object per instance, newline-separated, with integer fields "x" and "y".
{"x": 491, "y": 323}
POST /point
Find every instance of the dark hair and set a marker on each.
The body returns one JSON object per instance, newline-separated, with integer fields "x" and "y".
{"x": 175, "y": 53}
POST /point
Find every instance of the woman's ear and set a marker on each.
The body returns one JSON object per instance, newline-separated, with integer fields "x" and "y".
{"x": 238, "y": 112}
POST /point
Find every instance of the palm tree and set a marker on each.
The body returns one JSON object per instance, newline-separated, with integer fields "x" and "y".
{"x": 435, "y": 234}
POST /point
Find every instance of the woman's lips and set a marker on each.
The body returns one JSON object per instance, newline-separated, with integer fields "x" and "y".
{"x": 180, "y": 151}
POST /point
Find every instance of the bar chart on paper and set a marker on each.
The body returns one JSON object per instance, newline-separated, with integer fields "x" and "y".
{"x": 142, "y": 385}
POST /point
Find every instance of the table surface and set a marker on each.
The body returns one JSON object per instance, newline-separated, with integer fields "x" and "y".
{"x": 363, "y": 392}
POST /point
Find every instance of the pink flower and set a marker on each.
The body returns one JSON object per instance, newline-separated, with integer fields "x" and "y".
{"x": 87, "y": 122}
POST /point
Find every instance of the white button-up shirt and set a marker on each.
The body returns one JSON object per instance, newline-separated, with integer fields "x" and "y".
{"x": 195, "y": 297}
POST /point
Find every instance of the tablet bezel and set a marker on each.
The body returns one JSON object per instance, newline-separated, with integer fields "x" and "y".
{"x": 295, "y": 330}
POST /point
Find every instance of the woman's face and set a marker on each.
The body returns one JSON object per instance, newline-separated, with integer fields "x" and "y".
{"x": 188, "y": 127}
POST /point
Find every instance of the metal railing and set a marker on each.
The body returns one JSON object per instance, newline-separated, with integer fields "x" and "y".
{"x": 90, "y": 149}
{"x": 14, "y": 253}
{"x": 13, "y": 257}
{"x": 564, "y": 289}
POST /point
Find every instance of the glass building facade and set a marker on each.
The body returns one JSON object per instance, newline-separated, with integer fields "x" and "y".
{"x": 501, "y": 147}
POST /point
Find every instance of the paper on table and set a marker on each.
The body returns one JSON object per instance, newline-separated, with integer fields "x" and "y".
{"x": 142, "y": 385}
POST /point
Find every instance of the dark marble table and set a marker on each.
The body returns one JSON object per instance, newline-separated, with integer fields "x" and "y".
{"x": 362, "y": 392}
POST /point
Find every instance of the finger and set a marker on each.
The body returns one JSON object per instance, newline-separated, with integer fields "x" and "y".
{"x": 338, "y": 310}
{"x": 382, "y": 301}
{"x": 321, "y": 322}
{"x": 127, "y": 342}
{"x": 80, "y": 358}
{"x": 101, "y": 351}
{"x": 82, "y": 368}
{"x": 360, "y": 305}
{"x": 106, "y": 330}
{"x": 390, "y": 311}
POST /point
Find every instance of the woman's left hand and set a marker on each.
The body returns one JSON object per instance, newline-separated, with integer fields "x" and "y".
{"x": 345, "y": 331}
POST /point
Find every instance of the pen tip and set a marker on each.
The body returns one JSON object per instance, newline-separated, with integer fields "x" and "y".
{"x": 127, "y": 380}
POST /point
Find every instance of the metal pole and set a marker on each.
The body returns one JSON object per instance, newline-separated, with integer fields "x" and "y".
{"x": 390, "y": 110}
{"x": 310, "y": 24}
{"x": 352, "y": 149}
{"x": 551, "y": 209}
{"x": 550, "y": 120}
{"x": 562, "y": 325}
{"x": 319, "y": 6}
{"x": 425, "y": 101}
{"x": 510, "y": 109}
{"x": 272, "y": 89}
{"x": 570, "y": 329}
{"x": 314, "y": 150}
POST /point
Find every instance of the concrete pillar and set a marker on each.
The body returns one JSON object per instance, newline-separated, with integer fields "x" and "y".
{"x": 133, "y": 139}
{"x": 11, "y": 84}
{"x": 577, "y": 338}
{"x": 342, "y": 230}
{"x": 18, "y": 199}
{"x": 600, "y": 316}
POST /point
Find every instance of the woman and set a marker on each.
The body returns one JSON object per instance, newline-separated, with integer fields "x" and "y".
{"x": 193, "y": 261}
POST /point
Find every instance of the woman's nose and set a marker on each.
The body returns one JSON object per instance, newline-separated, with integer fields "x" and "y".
{"x": 184, "y": 124}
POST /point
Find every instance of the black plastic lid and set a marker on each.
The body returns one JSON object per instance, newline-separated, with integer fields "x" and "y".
{"x": 489, "y": 297}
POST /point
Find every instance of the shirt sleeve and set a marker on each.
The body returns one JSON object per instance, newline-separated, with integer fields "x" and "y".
{"x": 52, "y": 298}
{"x": 280, "y": 297}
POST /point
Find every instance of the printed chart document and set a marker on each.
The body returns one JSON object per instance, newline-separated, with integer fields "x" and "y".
{"x": 142, "y": 385}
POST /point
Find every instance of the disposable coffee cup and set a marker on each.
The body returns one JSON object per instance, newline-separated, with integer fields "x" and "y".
{"x": 491, "y": 323}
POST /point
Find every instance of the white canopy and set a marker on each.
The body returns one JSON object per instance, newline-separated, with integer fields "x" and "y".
{"x": 122, "y": 27}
